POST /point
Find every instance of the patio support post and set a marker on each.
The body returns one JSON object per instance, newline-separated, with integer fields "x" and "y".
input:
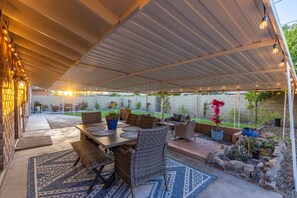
{"x": 234, "y": 110}
{"x": 146, "y": 101}
{"x": 238, "y": 109}
{"x": 292, "y": 124}
{"x": 284, "y": 118}
{"x": 196, "y": 105}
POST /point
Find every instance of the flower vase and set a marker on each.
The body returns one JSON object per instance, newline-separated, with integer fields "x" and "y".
{"x": 112, "y": 124}
{"x": 217, "y": 135}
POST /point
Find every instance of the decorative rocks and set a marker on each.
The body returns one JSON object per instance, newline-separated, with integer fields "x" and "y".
{"x": 262, "y": 171}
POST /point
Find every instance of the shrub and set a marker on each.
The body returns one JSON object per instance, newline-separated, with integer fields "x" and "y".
{"x": 84, "y": 105}
{"x": 232, "y": 113}
{"x": 205, "y": 108}
{"x": 182, "y": 109}
{"x": 112, "y": 115}
{"x": 97, "y": 105}
{"x": 138, "y": 105}
{"x": 239, "y": 152}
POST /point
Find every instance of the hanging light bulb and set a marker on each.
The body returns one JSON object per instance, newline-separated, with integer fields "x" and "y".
{"x": 282, "y": 63}
{"x": 6, "y": 38}
{"x": 275, "y": 48}
{"x": 264, "y": 20}
{"x": 5, "y": 32}
{"x": 10, "y": 45}
{"x": 12, "y": 49}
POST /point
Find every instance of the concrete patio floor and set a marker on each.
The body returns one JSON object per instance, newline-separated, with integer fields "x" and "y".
{"x": 15, "y": 182}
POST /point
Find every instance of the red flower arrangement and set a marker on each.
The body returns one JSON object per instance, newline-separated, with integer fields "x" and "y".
{"x": 216, "y": 104}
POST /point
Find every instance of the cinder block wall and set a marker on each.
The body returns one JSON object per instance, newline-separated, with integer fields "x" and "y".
{"x": 122, "y": 101}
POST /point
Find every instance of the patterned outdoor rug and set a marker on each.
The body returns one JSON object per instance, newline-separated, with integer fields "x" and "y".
{"x": 53, "y": 175}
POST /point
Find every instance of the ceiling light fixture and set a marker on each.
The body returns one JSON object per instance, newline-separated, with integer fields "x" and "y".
{"x": 264, "y": 20}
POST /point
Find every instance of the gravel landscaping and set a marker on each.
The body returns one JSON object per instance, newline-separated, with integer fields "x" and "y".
{"x": 285, "y": 182}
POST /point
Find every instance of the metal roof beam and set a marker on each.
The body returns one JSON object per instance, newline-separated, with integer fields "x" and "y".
{"x": 100, "y": 10}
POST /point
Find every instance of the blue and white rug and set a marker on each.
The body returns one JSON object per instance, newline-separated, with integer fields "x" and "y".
{"x": 53, "y": 175}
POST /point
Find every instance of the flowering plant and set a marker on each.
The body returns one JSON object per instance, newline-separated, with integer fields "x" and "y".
{"x": 216, "y": 104}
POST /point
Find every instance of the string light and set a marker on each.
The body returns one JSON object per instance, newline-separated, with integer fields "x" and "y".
{"x": 264, "y": 20}
{"x": 275, "y": 48}
{"x": 282, "y": 63}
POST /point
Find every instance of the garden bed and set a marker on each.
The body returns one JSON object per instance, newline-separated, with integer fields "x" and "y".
{"x": 255, "y": 159}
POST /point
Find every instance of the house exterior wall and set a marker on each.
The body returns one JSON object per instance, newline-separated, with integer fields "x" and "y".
{"x": 10, "y": 97}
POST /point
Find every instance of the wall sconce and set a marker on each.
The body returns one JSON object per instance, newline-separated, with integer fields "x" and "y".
{"x": 21, "y": 81}
{"x": 21, "y": 84}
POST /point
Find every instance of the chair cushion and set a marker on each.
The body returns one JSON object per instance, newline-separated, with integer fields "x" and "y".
{"x": 182, "y": 118}
{"x": 176, "y": 117}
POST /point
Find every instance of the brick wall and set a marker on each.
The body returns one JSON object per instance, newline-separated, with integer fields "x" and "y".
{"x": 7, "y": 140}
{"x": 205, "y": 129}
{"x": 10, "y": 96}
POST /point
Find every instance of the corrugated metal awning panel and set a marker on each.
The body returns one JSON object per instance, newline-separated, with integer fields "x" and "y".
{"x": 52, "y": 36}
{"x": 193, "y": 45}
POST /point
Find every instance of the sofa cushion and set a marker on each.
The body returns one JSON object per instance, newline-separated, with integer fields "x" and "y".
{"x": 176, "y": 117}
{"x": 188, "y": 117}
{"x": 182, "y": 118}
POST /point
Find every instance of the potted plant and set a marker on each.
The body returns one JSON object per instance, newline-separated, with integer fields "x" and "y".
{"x": 216, "y": 134}
{"x": 112, "y": 120}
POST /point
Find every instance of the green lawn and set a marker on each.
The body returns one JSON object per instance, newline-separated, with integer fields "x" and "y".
{"x": 158, "y": 115}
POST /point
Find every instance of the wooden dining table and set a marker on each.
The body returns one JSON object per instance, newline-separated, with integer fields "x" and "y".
{"x": 107, "y": 141}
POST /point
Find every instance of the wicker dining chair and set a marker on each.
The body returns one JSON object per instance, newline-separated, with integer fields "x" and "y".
{"x": 186, "y": 131}
{"x": 91, "y": 117}
{"x": 146, "y": 161}
{"x": 133, "y": 119}
{"x": 147, "y": 122}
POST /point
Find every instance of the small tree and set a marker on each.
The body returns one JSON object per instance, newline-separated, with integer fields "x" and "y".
{"x": 205, "y": 108}
{"x": 97, "y": 105}
{"x": 165, "y": 104}
{"x": 254, "y": 99}
{"x": 182, "y": 109}
{"x": 138, "y": 105}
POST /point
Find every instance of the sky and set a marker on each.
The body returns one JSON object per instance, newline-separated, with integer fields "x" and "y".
{"x": 287, "y": 10}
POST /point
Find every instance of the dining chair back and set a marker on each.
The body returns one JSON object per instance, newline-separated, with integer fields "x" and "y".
{"x": 147, "y": 122}
{"x": 91, "y": 117}
{"x": 146, "y": 161}
{"x": 133, "y": 119}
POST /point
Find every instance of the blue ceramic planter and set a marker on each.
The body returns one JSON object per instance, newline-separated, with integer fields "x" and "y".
{"x": 250, "y": 132}
{"x": 112, "y": 124}
{"x": 217, "y": 135}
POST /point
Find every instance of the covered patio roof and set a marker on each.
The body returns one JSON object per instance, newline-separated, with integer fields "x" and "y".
{"x": 157, "y": 45}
